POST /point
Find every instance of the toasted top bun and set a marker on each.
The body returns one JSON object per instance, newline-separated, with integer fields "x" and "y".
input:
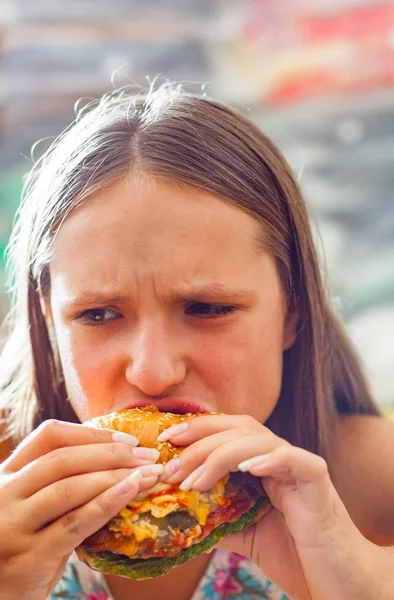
{"x": 146, "y": 424}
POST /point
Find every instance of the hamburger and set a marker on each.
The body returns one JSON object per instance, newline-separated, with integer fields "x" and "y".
{"x": 163, "y": 526}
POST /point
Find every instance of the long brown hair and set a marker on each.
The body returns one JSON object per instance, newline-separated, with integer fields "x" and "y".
{"x": 198, "y": 142}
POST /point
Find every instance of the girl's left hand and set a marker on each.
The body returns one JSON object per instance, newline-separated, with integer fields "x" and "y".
{"x": 307, "y": 544}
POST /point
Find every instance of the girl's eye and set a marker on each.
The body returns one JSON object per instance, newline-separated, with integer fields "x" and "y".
{"x": 98, "y": 316}
{"x": 209, "y": 311}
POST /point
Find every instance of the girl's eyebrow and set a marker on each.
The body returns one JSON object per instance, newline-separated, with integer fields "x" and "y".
{"x": 91, "y": 297}
{"x": 212, "y": 293}
{"x": 208, "y": 293}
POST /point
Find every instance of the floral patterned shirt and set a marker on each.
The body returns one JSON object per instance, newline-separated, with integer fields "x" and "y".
{"x": 228, "y": 576}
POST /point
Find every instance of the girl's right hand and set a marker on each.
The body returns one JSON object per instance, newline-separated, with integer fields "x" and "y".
{"x": 60, "y": 485}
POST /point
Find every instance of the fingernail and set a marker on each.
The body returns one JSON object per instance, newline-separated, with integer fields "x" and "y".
{"x": 147, "y": 470}
{"x": 125, "y": 438}
{"x": 171, "y": 468}
{"x": 146, "y": 453}
{"x": 128, "y": 483}
{"x": 187, "y": 484}
{"x": 172, "y": 432}
{"x": 246, "y": 465}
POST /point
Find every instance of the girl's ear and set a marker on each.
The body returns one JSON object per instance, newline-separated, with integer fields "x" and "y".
{"x": 290, "y": 328}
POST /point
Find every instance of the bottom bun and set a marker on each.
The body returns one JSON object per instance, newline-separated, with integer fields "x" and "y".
{"x": 119, "y": 564}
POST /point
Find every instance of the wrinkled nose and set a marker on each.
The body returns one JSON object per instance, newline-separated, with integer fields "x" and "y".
{"x": 156, "y": 362}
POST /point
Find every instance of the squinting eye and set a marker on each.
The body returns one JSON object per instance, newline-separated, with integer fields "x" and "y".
{"x": 98, "y": 316}
{"x": 206, "y": 310}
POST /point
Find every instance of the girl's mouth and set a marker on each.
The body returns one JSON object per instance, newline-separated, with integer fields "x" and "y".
{"x": 174, "y": 404}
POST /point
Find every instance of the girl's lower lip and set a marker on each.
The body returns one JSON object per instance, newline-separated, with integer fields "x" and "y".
{"x": 175, "y": 405}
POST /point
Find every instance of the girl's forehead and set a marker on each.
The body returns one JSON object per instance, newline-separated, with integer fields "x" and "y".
{"x": 142, "y": 214}
{"x": 161, "y": 236}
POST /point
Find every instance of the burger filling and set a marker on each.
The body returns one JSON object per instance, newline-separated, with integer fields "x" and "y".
{"x": 164, "y": 519}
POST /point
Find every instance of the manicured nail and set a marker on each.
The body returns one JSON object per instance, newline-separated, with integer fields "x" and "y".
{"x": 257, "y": 461}
{"x": 172, "y": 432}
{"x": 148, "y": 470}
{"x": 125, "y": 438}
{"x": 189, "y": 481}
{"x": 171, "y": 468}
{"x": 129, "y": 483}
{"x": 146, "y": 453}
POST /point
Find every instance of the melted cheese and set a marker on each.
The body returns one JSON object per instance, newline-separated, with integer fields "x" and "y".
{"x": 165, "y": 501}
{"x": 129, "y": 546}
{"x": 197, "y": 506}
{"x": 142, "y": 531}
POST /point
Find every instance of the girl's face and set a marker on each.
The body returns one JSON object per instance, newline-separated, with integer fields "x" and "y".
{"x": 159, "y": 295}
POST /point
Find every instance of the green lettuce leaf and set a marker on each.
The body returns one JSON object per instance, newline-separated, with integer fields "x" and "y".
{"x": 119, "y": 564}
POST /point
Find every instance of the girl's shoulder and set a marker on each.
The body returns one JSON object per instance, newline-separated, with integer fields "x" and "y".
{"x": 362, "y": 470}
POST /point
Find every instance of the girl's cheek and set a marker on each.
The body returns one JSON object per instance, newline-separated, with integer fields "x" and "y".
{"x": 217, "y": 359}
{"x": 89, "y": 375}
{"x": 220, "y": 369}
{"x": 228, "y": 368}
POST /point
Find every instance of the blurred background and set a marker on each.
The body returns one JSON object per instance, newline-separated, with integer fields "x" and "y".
{"x": 316, "y": 75}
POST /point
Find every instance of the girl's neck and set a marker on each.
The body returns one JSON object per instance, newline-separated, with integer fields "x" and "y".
{"x": 179, "y": 584}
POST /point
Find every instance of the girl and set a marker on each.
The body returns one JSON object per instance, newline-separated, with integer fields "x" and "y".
{"x": 163, "y": 256}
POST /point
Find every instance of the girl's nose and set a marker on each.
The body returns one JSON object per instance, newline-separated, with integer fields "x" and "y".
{"x": 155, "y": 362}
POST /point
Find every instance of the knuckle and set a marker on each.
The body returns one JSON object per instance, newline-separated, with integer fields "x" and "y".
{"x": 63, "y": 490}
{"x": 71, "y": 523}
{"x": 197, "y": 456}
{"x": 242, "y": 431}
{"x": 321, "y": 465}
{"x": 119, "y": 456}
{"x": 117, "y": 475}
{"x": 48, "y": 430}
{"x": 285, "y": 453}
{"x": 9, "y": 492}
{"x": 102, "y": 503}
{"x": 58, "y": 456}
{"x": 118, "y": 451}
{"x": 215, "y": 458}
{"x": 49, "y": 427}
{"x": 97, "y": 434}
{"x": 249, "y": 422}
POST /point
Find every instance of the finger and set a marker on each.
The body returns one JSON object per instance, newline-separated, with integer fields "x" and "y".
{"x": 66, "y": 533}
{"x": 67, "y": 462}
{"x": 309, "y": 471}
{"x": 53, "y": 434}
{"x": 225, "y": 458}
{"x": 188, "y": 432}
{"x": 68, "y": 494}
{"x": 176, "y": 470}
